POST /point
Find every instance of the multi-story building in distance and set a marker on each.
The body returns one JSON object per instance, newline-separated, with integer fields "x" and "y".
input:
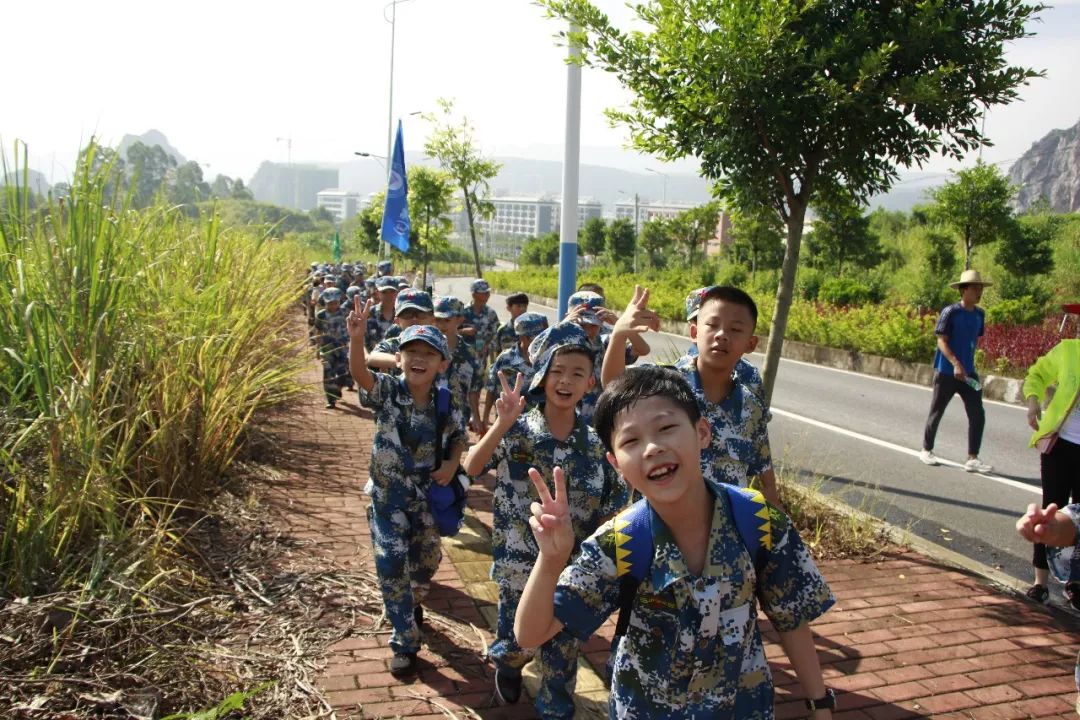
{"x": 528, "y": 216}
{"x": 342, "y": 204}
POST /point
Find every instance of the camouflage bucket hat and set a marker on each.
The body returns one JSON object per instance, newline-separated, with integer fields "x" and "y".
{"x": 480, "y": 286}
{"x": 448, "y": 307}
{"x": 530, "y": 324}
{"x": 591, "y": 301}
{"x": 543, "y": 347}
{"x": 693, "y": 301}
{"x": 425, "y": 334}
{"x": 412, "y": 299}
{"x": 330, "y": 295}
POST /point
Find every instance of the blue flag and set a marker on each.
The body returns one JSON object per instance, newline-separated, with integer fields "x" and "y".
{"x": 395, "y": 223}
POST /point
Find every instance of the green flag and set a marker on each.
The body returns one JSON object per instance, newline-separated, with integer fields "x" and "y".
{"x": 337, "y": 248}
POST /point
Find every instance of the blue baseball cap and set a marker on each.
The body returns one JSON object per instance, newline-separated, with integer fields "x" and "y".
{"x": 591, "y": 301}
{"x": 427, "y": 334}
{"x": 447, "y": 306}
{"x": 480, "y": 286}
{"x": 412, "y": 298}
{"x": 530, "y": 324}
{"x": 544, "y": 345}
{"x": 330, "y": 295}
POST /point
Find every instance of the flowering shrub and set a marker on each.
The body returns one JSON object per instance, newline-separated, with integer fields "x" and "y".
{"x": 1011, "y": 349}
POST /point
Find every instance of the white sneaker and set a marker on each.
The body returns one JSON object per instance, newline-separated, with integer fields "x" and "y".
{"x": 977, "y": 465}
{"x": 928, "y": 457}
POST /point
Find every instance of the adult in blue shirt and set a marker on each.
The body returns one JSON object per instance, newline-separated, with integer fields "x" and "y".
{"x": 958, "y": 330}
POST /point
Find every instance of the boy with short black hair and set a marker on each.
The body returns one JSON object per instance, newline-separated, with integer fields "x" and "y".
{"x": 333, "y": 339}
{"x": 505, "y": 337}
{"x": 550, "y": 435}
{"x": 515, "y": 360}
{"x": 481, "y": 321}
{"x": 744, "y": 371}
{"x": 382, "y": 318}
{"x": 413, "y": 447}
{"x": 738, "y": 417}
{"x": 692, "y": 649}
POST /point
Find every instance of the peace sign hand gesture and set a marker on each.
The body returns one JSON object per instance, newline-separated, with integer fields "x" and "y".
{"x": 511, "y": 402}
{"x": 358, "y": 317}
{"x": 550, "y": 521}
{"x": 638, "y": 317}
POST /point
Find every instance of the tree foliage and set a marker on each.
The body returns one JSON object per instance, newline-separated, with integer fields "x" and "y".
{"x": 654, "y": 241}
{"x": 592, "y": 236}
{"x": 431, "y": 195}
{"x": 542, "y": 251}
{"x": 619, "y": 240}
{"x": 776, "y": 98}
{"x": 757, "y": 239}
{"x": 976, "y": 206}
{"x": 842, "y": 235}
{"x": 453, "y": 145}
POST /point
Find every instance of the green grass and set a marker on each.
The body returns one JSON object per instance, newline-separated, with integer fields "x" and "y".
{"x": 135, "y": 348}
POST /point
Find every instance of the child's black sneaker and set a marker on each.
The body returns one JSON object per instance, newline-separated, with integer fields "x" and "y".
{"x": 1072, "y": 593}
{"x": 403, "y": 664}
{"x": 330, "y": 404}
{"x": 418, "y": 615}
{"x": 508, "y": 685}
{"x": 1038, "y": 593}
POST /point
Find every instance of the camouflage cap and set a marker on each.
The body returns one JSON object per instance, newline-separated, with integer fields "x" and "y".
{"x": 480, "y": 285}
{"x": 352, "y": 291}
{"x": 386, "y": 282}
{"x": 544, "y": 345}
{"x": 591, "y": 301}
{"x": 330, "y": 295}
{"x": 530, "y": 324}
{"x": 426, "y": 334}
{"x": 412, "y": 299}
{"x": 693, "y": 301}
{"x": 384, "y": 267}
{"x": 447, "y": 306}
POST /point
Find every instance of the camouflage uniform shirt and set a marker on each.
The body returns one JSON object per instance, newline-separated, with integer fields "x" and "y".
{"x": 693, "y": 649}
{"x": 600, "y": 346}
{"x": 464, "y": 376}
{"x": 505, "y": 337}
{"x": 486, "y": 323}
{"x": 744, "y": 372}
{"x": 596, "y": 491}
{"x": 403, "y": 451}
{"x": 377, "y": 327}
{"x": 739, "y": 449}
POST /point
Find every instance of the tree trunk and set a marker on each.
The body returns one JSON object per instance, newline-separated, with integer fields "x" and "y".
{"x": 784, "y": 294}
{"x": 472, "y": 232}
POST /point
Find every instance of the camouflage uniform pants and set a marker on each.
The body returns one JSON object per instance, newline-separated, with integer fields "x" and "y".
{"x": 557, "y": 658}
{"x": 335, "y": 374}
{"x": 407, "y": 554}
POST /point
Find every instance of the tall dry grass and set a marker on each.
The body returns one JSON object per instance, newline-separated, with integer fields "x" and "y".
{"x": 135, "y": 348}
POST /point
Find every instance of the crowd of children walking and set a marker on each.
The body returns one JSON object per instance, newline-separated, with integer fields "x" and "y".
{"x": 618, "y": 489}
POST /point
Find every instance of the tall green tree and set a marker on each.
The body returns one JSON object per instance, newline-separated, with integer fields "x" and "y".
{"x": 591, "y": 237}
{"x": 452, "y": 144}
{"x": 148, "y": 168}
{"x": 757, "y": 238}
{"x": 1025, "y": 252}
{"x": 619, "y": 241}
{"x": 431, "y": 194}
{"x": 692, "y": 229}
{"x": 976, "y": 206}
{"x": 188, "y": 186}
{"x": 779, "y": 97}
{"x": 542, "y": 251}
{"x": 842, "y": 234}
{"x": 654, "y": 241}
{"x": 370, "y": 223}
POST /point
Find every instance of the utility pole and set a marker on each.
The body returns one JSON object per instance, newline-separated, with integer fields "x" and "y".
{"x": 637, "y": 230}
{"x": 292, "y": 171}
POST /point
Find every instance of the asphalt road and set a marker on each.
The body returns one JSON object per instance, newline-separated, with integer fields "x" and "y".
{"x": 860, "y": 435}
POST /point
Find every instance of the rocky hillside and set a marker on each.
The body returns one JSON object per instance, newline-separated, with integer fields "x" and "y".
{"x": 1050, "y": 169}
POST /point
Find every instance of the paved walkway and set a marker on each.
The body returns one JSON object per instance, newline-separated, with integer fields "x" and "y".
{"x": 908, "y": 637}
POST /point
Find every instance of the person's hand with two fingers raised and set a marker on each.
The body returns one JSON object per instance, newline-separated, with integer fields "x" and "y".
{"x": 1049, "y": 526}
{"x": 550, "y": 521}
{"x": 637, "y": 318}
{"x": 356, "y": 323}
{"x": 357, "y": 320}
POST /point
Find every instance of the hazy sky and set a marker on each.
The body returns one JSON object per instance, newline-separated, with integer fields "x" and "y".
{"x": 224, "y": 79}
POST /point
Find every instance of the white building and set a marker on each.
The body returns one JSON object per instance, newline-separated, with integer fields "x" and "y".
{"x": 531, "y": 216}
{"x": 342, "y": 204}
{"x": 649, "y": 210}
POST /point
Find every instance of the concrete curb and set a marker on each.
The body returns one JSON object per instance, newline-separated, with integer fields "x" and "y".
{"x": 1004, "y": 389}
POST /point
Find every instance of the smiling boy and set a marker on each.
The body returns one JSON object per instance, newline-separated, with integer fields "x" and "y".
{"x": 692, "y": 649}
{"x": 738, "y": 418}
{"x": 545, "y": 437}
{"x": 412, "y": 448}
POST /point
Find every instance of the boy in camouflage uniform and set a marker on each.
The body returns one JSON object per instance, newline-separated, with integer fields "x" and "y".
{"x": 505, "y": 336}
{"x": 382, "y": 317}
{"x": 333, "y": 339}
{"x": 405, "y": 460}
{"x": 481, "y": 322}
{"x": 411, "y": 307}
{"x": 745, "y": 373}
{"x": 464, "y": 378}
{"x": 738, "y": 417}
{"x": 515, "y": 360}
{"x": 692, "y": 648}
{"x": 545, "y": 437}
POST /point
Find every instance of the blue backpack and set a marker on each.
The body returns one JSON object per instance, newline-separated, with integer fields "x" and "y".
{"x": 634, "y": 547}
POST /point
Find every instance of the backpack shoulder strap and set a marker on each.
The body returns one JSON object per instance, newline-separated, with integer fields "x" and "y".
{"x": 751, "y": 514}
{"x": 633, "y": 557}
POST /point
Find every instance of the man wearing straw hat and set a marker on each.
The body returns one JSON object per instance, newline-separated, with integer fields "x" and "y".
{"x": 958, "y": 331}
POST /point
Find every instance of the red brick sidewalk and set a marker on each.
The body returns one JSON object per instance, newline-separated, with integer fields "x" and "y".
{"x": 908, "y": 637}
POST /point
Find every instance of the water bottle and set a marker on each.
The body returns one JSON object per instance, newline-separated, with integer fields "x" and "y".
{"x": 973, "y": 383}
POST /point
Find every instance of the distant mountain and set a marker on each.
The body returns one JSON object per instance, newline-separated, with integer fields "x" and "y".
{"x": 150, "y": 138}
{"x": 291, "y": 186}
{"x": 1050, "y": 169}
{"x": 34, "y": 180}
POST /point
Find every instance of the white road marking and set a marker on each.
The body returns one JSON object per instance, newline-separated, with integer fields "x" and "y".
{"x": 899, "y": 448}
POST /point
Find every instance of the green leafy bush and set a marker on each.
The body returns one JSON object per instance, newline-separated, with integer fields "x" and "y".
{"x": 1025, "y": 310}
{"x": 844, "y": 291}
